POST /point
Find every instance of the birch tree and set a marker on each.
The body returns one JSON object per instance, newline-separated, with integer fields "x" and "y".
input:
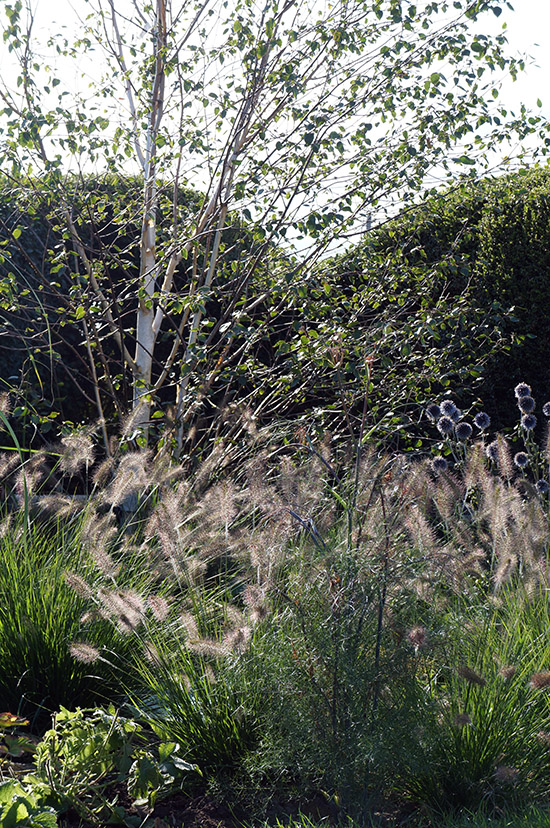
{"x": 291, "y": 120}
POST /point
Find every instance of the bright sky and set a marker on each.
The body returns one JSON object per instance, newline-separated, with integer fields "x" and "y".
{"x": 528, "y": 32}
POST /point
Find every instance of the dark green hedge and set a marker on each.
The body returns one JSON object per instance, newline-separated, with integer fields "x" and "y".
{"x": 450, "y": 297}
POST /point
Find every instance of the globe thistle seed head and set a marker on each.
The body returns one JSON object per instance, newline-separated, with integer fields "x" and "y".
{"x": 526, "y": 404}
{"x": 433, "y": 412}
{"x": 463, "y": 431}
{"x": 492, "y": 451}
{"x": 522, "y": 390}
{"x": 546, "y": 409}
{"x": 542, "y": 486}
{"x": 439, "y": 464}
{"x": 521, "y": 459}
{"x": 482, "y": 420}
{"x": 445, "y": 425}
{"x": 456, "y": 415}
{"x": 447, "y": 408}
{"x": 528, "y": 422}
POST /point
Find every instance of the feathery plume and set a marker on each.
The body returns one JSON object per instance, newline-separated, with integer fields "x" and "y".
{"x": 84, "y": 652}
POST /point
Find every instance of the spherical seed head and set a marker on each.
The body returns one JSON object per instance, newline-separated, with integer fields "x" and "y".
{"x": 542, "y": 486}
{"x": 522, "y": 390}
{"x": 463, "y": 431}
{"x": 526, "y": 404}
{"x": 439, "y": 464}
{"x": 482, "y": 420}
{"x": 445, "y": 425}
{"x": 528, "y": 422}
{"x": 546, "y": 409}
{"x": 492, "y": 451}
{"x": 433, "y": 412}
{"x": 521, "y": 459}
{"x": 447, "y": 408}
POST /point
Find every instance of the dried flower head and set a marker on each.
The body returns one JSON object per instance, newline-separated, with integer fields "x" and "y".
{"x": 445, "y": 425}
{"x": 159, "y": 606}
{"x": 433, "y": 412}
{"x": 526, "y": 404}
{"x": 418, "y": 637}
{"x": 507, "y": 672}
{"x": 448, "y": 408}
{"x": 471, "y": 676}
{"x": 506, "y": 775}
{"x": 542, "y": 486}
{"x": 77, "y": 451}
{"x": 492, "y": 451}
{"x": 84, "y": 652}
{"x": 540, "y": 681}
{"x": 528, "y": 422}
{"x": 79, "y": 585}
{"x": 463, "y": 431}
{"x": 5, "y": 404}
{"x": 482, "y": 420}
{"x": 521, "y": 460}
{"x": 522, "y": 390}
{"x": 439, "y": 464}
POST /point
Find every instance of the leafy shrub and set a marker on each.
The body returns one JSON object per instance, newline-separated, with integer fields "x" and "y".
{"x": 82, "y": 758}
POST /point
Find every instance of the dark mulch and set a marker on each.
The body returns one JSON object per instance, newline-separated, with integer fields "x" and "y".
{"x": 180, "y": 811}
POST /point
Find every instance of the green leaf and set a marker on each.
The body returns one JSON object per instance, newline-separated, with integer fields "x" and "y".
{"x": 464, "y": 159}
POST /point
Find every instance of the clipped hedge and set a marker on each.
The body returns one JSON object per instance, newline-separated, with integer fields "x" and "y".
{"x": 449, "y": 297}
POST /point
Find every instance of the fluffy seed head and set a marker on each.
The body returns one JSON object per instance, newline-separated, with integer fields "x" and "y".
{"x": 482, "y": 420}
{"x": 159, "y": 606}
{"x": 521, "y": 459}
{"x": 447, "y": 408}
{"x": 506, "y": 775}
{"x": 471, "y": 676}
{"x": 526, "y": 404}
{"x": 463, "y": 720}
{"x": 439, "y": 464}
{"x": 433, "y": 412}
{"x": 445, "y": 425}
{"x": 463, "y": 431}
{"x": 507, "y": 672}
{"x": 418, "y": 637}
{"x": 528, "y": 422}
{"x": 79, "y": 585}
{"x": 77, "y": 451}
{"x": 522, "y": 390}
{"x": 84, "y": 652}
{"x": 540, "y": 681}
